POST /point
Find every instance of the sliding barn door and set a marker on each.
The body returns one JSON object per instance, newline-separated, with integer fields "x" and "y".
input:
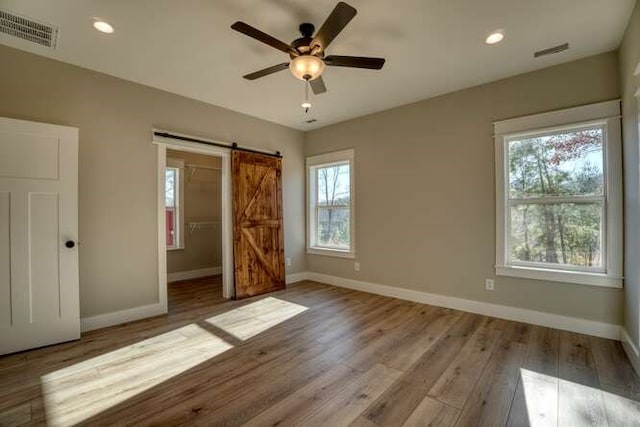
{"x": 257, "y": 213}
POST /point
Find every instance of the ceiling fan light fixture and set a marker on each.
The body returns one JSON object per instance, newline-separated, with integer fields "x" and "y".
{"x": 306, "y": 67}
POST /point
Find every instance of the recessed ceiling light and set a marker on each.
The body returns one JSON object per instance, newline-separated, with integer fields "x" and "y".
{"x": 495, "y": 37}
{"x": 103, "y": 27}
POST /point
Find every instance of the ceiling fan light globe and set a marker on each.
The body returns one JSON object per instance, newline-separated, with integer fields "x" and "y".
{"x": 306, "y": 67}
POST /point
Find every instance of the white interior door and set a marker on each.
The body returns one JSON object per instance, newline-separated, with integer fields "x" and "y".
{"x": 39, "y": 297}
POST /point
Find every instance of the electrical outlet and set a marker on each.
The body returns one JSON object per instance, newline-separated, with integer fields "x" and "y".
{"x": 288, "y": 261}
{"x": 356, "y": 266}
{"x": 488, "y": 284}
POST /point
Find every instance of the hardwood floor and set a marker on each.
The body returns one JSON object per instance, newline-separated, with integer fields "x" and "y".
{"x": 318, "y": 355}
{"x": 192, "y": 295}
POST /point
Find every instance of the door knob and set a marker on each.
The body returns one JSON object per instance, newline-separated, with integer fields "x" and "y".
{"x": 70, "y": 244}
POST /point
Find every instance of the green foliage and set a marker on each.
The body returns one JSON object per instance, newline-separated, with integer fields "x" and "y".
{"x": 564, "y": 164}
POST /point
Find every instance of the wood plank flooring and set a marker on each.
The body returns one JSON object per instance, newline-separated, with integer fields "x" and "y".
{"x": 316, "y": 355}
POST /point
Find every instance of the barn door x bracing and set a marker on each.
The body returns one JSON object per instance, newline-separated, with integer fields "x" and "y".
{"x": 258, "y": 233}
{"x": 39, "y": 302}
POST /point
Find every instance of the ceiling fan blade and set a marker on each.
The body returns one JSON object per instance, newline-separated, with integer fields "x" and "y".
{"x": 267, "y": 71}
{"x": 317, "y": 86}
{"x": 335, "y": 23}
{"x": 263, "y": 37}
{"x": 354, "y": 62}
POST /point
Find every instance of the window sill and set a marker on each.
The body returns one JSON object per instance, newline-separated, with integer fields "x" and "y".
{"x": 175, "y": 248}
{"x": 579, "y": 278}
{"x": 331, "y": 252}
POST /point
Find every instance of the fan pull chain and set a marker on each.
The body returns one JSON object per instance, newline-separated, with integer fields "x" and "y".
{"x": 306, "y": 104}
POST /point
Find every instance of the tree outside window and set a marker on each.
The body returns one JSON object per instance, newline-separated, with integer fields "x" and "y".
{"x": 557, "y": 198}
{"x": 333, "y": 205}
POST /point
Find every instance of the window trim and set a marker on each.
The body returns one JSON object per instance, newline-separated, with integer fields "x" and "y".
{"x": 312, "y": 163}
{"x": 178, "y": 240}
{"x": 606, "y": 114}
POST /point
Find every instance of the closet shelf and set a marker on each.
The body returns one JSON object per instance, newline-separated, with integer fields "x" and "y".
{"x": 195, "y": 167}
{"x": 197, "y": 225}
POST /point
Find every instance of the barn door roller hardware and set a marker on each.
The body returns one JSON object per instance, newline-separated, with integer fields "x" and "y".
{"x": 232, "y": 146}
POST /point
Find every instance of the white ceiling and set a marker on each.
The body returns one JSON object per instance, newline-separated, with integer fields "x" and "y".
{"x": 431, "y": 46}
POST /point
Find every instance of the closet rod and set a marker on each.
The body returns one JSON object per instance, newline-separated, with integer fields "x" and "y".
{"x": 233, "y": 145}
{"x": 194, "y": 166}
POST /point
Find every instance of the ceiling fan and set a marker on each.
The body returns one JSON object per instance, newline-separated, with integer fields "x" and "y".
{"x": 307, "y": 53}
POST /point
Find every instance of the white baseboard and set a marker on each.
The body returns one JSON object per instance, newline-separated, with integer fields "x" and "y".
{"x": 630, "y": 348}
{"x": 295, "y": 278}
{"x": 122, "y": 316}
{"x": 193, "y": 274}
{"x": 557, "y": 321}
{"x": 137, "y": 313}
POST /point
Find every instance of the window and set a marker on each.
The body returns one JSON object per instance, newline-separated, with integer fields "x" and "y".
{"x": 330, "y": 215}
{"x": 559, "y": 196}
{"x": 173, "y": 204}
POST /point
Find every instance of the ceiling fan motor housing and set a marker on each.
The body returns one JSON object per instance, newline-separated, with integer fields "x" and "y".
{"x": 302, "y": 45}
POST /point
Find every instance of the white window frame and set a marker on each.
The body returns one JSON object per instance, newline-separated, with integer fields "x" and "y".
{"x": 178, "y": 239}
{"x": 606, "y": 114}
{"x": 312, "y": 164}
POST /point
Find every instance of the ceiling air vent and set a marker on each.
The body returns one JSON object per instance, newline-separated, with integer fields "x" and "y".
{"x": 552, "y": 50}
{"x": 28, "y": 29}
{"x": 311, "y": 121}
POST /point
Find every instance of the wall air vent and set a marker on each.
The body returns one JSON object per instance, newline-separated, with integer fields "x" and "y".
{"x": 552, "y": 50}
{"x": 28, "y": 29}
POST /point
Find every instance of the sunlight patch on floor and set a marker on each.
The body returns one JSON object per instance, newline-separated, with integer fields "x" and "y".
{"x": 541, "y": 397}
{"x": 624, "y": 409}
{"x": 552, "y": 401}
{"x": 80, "y": 391}
{"x": 250, "y": 320}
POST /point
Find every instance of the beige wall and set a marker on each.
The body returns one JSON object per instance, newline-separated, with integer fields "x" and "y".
{"x": 202, "y": 201}
{"x": 118, "y": 166}
{"x": 425, "y": 171}
{"x": 425, "y": 191}
{"x": 629, "y": 61}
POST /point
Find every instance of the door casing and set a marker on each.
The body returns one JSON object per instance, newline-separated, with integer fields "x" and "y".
{"x": 228, "y": 290}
